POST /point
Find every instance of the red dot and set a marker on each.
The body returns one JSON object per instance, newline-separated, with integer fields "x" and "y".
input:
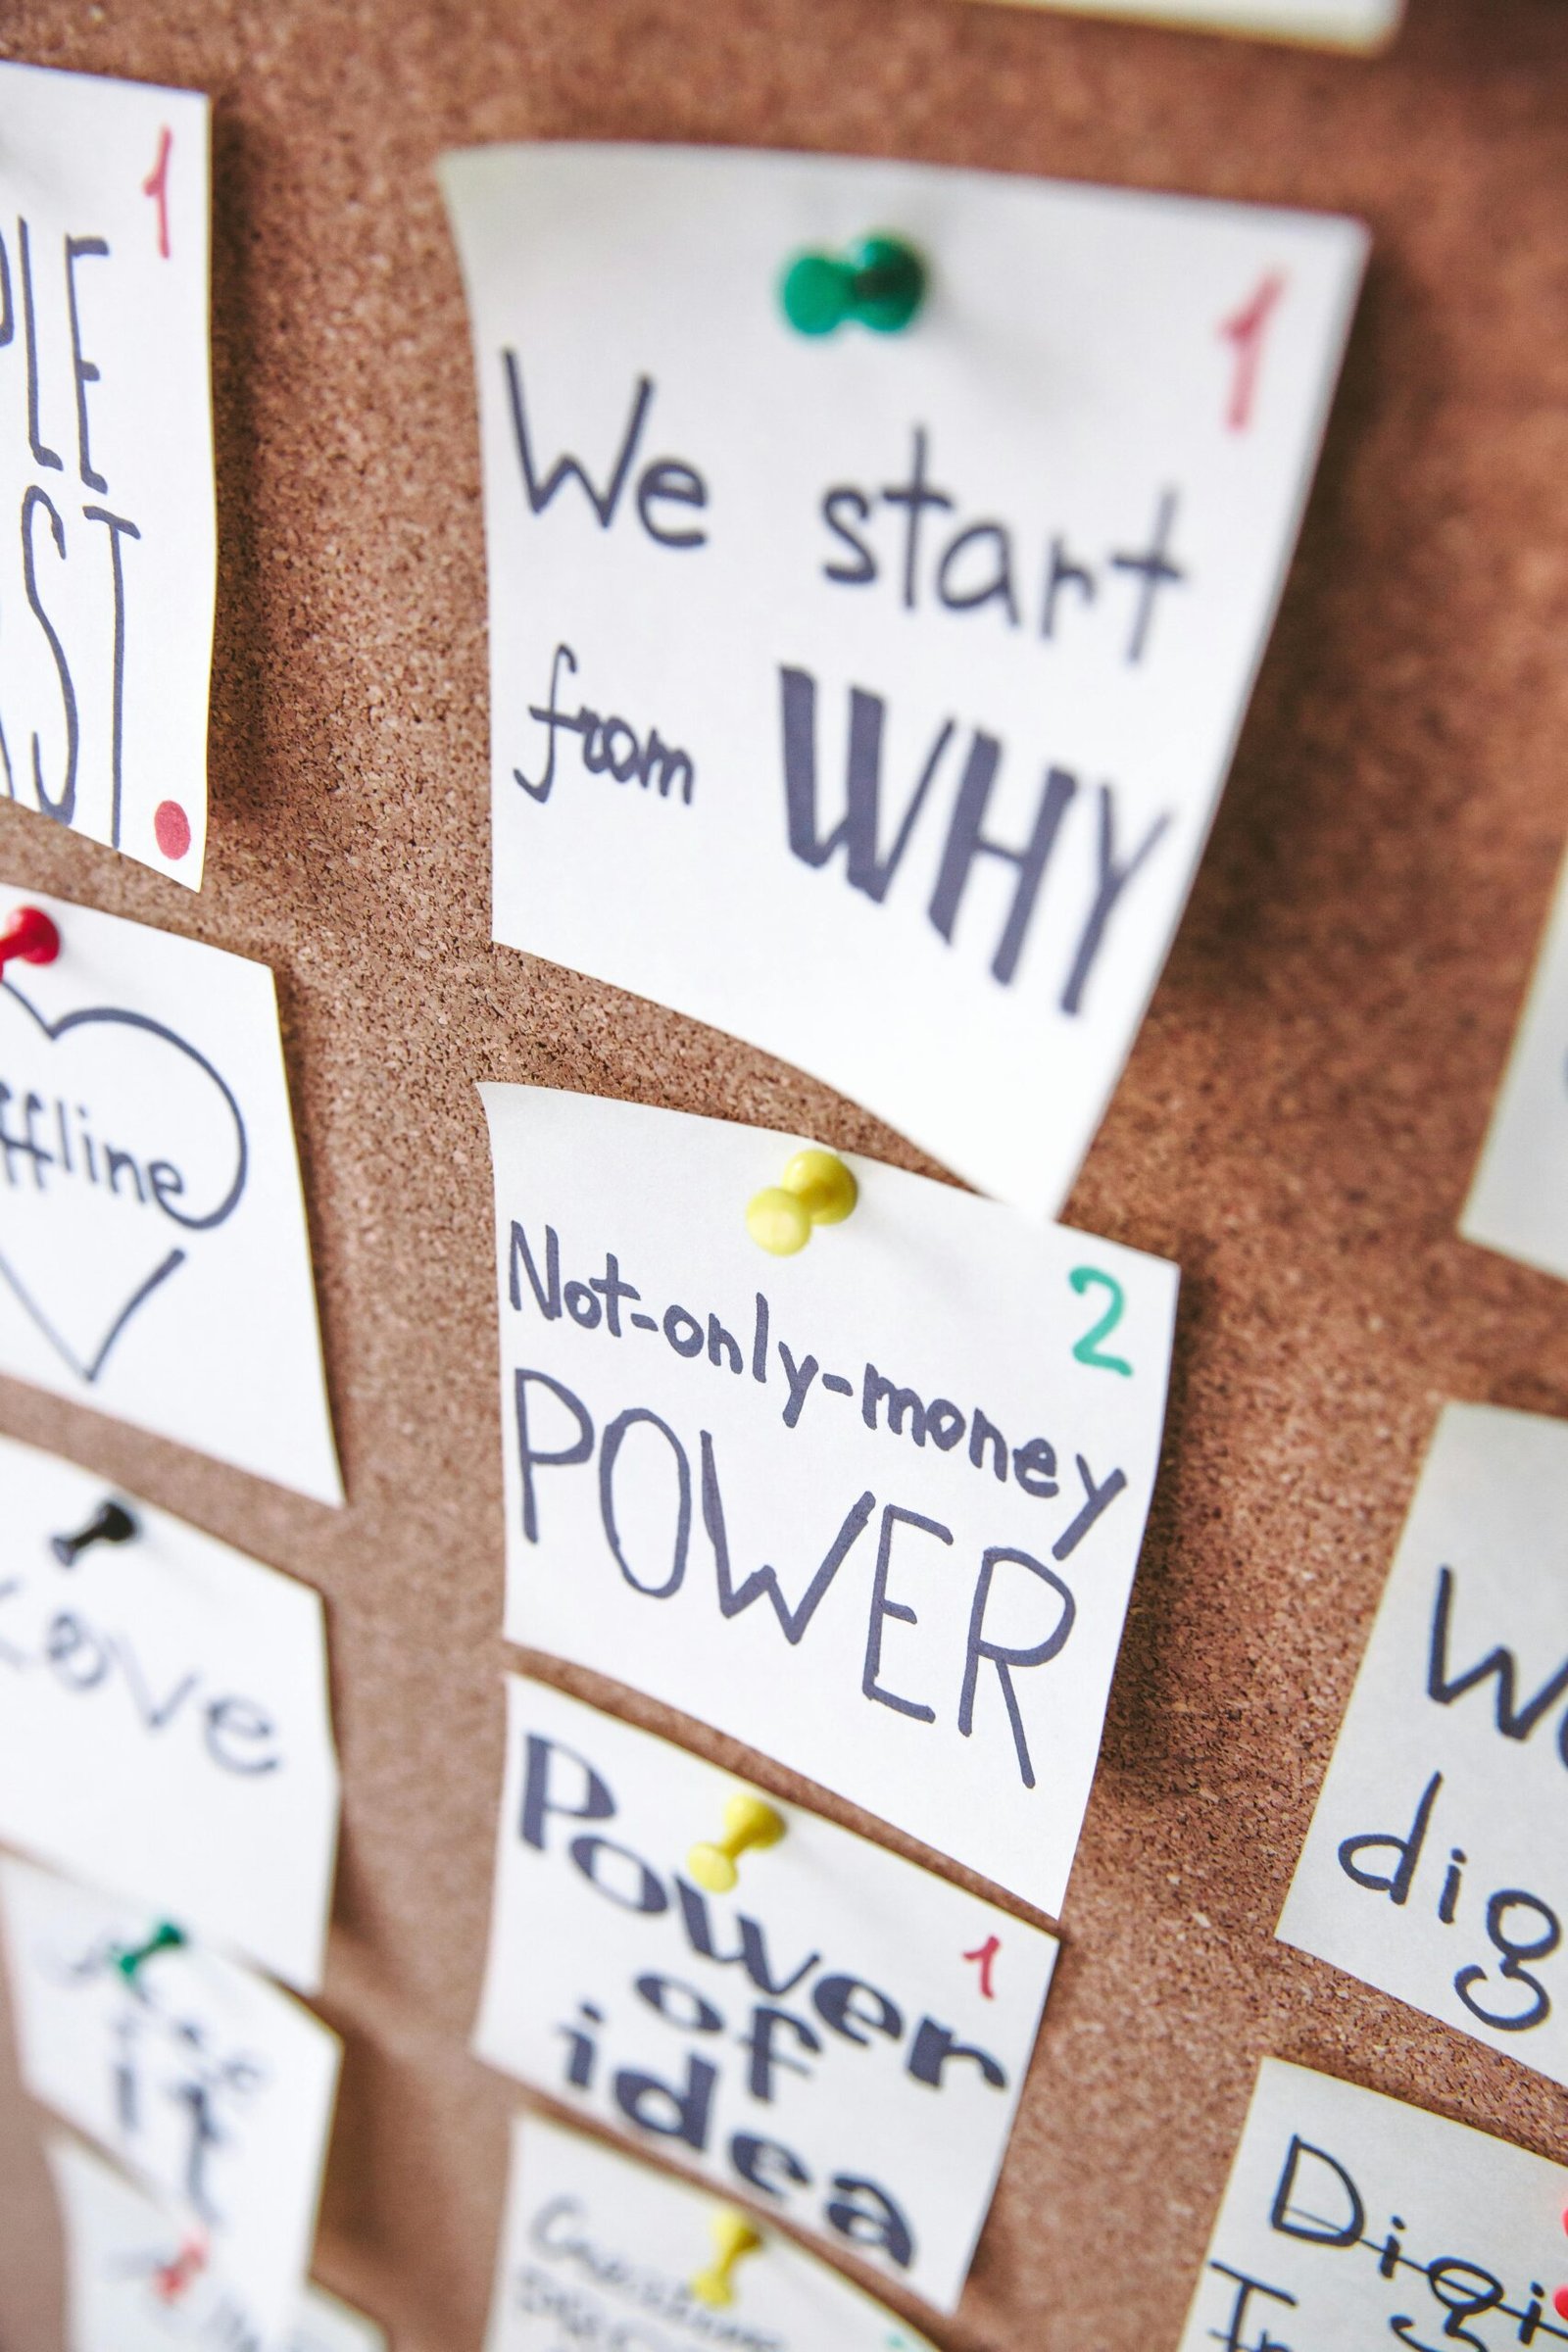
{"x": 173, "y": 828}
{"x": 1559, "y": 2302}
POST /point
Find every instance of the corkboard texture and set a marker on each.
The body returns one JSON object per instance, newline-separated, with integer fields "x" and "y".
{"x": 1296, "y": 1128}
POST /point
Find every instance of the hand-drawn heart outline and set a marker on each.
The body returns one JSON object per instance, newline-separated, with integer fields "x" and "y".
{"x": 54, "y": 1031}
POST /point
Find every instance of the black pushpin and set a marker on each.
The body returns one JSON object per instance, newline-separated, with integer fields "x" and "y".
{"x": 111, "y": 1523}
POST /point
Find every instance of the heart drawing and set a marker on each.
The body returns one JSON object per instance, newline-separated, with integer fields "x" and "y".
{"x": 84, "y": 1202}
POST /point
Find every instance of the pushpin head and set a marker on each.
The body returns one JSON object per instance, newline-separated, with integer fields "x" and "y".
{"x": 1559, "y": 2302}
{"x": 30, "y": 934}
{"x": 748, "y": 1820}
{"x": 111, "y": 1523}
{"x": 778, "y": 1221}
{"x": 880, "y": 282}
{"x": 165, "y": 1939}
{"x": 733, "y": 2236}
{"x": 822, "y": 1185}
{"x": 172, "y": 2279}
{"x": 817, "y": 1188}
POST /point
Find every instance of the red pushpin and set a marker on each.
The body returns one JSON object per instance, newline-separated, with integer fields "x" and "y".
{"x": 1559, "y": 2301}
{"x": 172, "y": 2279}
{"x": 31, "y": 934}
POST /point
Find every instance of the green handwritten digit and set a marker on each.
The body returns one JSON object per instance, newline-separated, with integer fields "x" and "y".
{"x": 1088, "y": 1350}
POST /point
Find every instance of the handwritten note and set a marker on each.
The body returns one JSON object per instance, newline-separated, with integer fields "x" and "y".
{"x": 164, "y": 1723}
{"x": 875, "y": 1509}
{"x": 1437, "y": 1867}
{"x": 327, "y": 2325}
{"x": 1328, "y": 24}
{"x": 1519, "y": 1200}
{"x": 1354, "y": 2220}
{"x": 843, "y": 2037}
{"x": 138, "y": 2281}
{"x": 869, "y": 695}
{"x": 106, "y": 461}
{"x": 154, "y": 1259}
{"x": 596, "y": 2249}
{"x": 210, "y": 2085}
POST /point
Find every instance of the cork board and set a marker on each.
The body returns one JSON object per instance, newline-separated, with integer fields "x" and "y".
{"x": 1296, "y": 1128}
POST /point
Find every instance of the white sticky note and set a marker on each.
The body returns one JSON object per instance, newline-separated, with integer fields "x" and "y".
{"x": 154, "y": 1258}
{"x": 138, "y": 2281}
{"x": 106, "y": 461}
{"x": 165, "y": 1727}
{"x": 1352, "y": 2220}
{"x": 210, "y": 2085}
{"x": 326, "y": 2325}
{"x": 1326, "y": 23}
{"x": 870, "y": 695}
{"x": 1519, "y": 1200}
{"x": 596, "y": 2249}
{"x": 842, "y": 2039}
{"x": 875, "y": 1509}
{"x": 1437, "y": 1866}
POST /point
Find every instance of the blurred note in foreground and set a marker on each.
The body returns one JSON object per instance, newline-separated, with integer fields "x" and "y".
{"x": 106, "y": 461}
{"x": 1326, "y": 23}
{"x": 154, "y": 1261}
{"x": 165, "y": 1728}
{"x": 212, "y": 2086}
{"x": 1519, "y": 1200}
{"x": 138, "y": 2281}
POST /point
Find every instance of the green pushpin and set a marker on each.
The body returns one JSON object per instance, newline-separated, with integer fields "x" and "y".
{"x": 165, "y": 1939}
{"x": 881, "y": 282}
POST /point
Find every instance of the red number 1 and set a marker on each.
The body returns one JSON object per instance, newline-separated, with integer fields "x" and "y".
{"x": 156, "y": 185}
{"x": 1246, "y": 330}
{"x": 986, "y": 1953}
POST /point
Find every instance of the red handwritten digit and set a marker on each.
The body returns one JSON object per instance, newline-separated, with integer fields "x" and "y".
{"x": 986, "y": 1953}
{"x": 1246, "y": 330}
{"x": 156, "y": 185}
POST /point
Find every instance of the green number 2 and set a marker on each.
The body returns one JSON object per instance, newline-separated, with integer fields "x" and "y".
{"x": 1088, "y": 1350}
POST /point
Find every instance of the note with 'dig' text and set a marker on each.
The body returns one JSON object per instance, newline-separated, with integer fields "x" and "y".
{"x": 875, "y": 1509}
{"x": 106, "y": 461}
{"x": 1437, "y": 1864}
{"x": 1351, "y": 2219}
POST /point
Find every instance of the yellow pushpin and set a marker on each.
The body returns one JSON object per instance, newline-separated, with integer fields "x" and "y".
{"x": 817, "y": 1188}
{"x": 748, "y": 1820}
{"x": 733, "y": 2236}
